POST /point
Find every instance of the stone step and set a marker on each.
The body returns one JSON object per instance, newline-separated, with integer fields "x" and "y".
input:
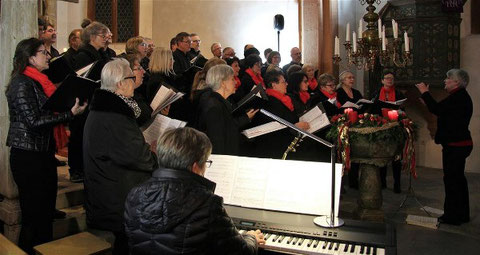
{"x": 74, "y": 223}
{"x": 9, "y": 248}
{"x": 81, "y": 243}
{"x": 69, "y": 194}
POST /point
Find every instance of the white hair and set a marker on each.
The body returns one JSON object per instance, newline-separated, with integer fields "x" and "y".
{"x": 217, "y": 74}
{"x": 114, "y": 72}
{"x": 459, "y": 75}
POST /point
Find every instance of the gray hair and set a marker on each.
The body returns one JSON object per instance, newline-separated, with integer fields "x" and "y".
{"x": 180, "y": 148}
{"x": 325, "y": 78}
{"x": 95, "y": 28}
{"x": 459, "y": 75}
{"x": 217, "y": 74}
{"x": 114, "y": 72}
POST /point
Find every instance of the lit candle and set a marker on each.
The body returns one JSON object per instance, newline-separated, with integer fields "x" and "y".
{"x": 337, "y": 46}
{"x": 379, "y": 28}
{"x": 384, "y": 39}
{"x": 393, "y": 115}
{"x": 354, "y": 42}
{"x": 407, "y": 42}
{"x": 347, "y": 34}
{"x": 348, "y": 110}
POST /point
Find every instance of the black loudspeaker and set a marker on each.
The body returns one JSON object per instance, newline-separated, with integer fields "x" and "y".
{"x": 278, "y": 22}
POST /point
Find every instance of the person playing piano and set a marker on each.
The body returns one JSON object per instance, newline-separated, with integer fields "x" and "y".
{"x": 176, "y": 211}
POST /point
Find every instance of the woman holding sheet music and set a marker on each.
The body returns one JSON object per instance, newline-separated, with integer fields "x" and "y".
{"x": 31, "y": 141}
{"x": 214, "y": 111}
{"x": 388, "y": 93}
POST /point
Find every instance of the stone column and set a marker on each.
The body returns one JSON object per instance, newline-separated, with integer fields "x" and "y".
{"x": 18, "y": 21}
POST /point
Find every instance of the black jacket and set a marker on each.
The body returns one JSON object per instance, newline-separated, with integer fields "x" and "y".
{"x": 87, "y": 54}
{"x": 246, "y": 86}
{"x": 182, "y": 61}
{"x": 31, "y": 127}
{"x": 214, "y": 118}
{"x": 377, "y": 107}
{"x": 176, "y": 212}
{"x": 116, "y": 159}
{"x": 453, "y": 116}
{"x": 330, "y": 109}
{"x": 342, "y": 97}
{"x": 272, "y": 145}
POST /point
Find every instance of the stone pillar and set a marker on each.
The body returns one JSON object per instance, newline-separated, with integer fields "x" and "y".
{"x": 18, "y": 21}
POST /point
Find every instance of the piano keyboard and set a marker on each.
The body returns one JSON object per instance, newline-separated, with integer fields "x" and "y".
{"x": 291, "y": 244}
{"x": 291, "y": 233}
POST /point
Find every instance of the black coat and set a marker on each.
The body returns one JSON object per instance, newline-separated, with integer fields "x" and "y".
{"x": 330, "y": 109}
{"x": 342, "y": 97}
{"x": 176, "y": 212}
{"x": 274, "y": 144}
{"x": 299, "y": 107}
{"x": 453, "y": 116}
{"x": 214, "y": 118}
{"x": 87, "y": 54}
{"x": 31, "y": 127}
{"x": 182, "y": 61}
{"x": 116, "y": 159}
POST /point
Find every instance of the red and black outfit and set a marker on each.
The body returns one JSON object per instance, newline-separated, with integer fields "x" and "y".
{"x": 249, "y": 80}
{"x": 453, "y": 118}
{"x": 32, "y": 154}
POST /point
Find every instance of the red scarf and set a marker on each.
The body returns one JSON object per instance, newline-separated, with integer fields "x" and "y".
{"x": 237, "y": 82}
{"x": 304, "y": 96}
{"x": 387, "y": 94}
{"x": 330, "y": 96}
{"x": 257, "y": 79}
{"x": 312, "y": 84}
{"x": 286, "y": 100}
{"x": 59, "y": 133}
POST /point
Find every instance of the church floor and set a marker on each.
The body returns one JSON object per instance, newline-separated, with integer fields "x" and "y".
{"x": 428, "y": 189}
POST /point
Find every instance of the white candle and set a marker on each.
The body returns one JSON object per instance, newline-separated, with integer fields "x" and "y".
{"x": 394, "y": 29}
{"x": 379, "y": 28}
{"x": 384, "y": 39}
{"x": 337, "y": 46}
{"x": 360, "y": 28}
{"x": 407, "y": 42}
{"x": 347, "y": 34}
{"x": 354, "y": 42}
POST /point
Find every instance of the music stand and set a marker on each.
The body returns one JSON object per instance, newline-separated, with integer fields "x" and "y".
{"x": 411, "y": 194}
{"x": 323, "y": 221}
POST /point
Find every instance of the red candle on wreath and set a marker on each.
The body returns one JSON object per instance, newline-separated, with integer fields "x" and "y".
{"x": 385, "y": 112}
{"x": 393, "y": 115}
{"x": 352, "y": 115}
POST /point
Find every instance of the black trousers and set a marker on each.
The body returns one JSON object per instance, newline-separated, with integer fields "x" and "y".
{"x": 396, "y": 168}
{"x": 456, "y": 205}
{"x": 35, "y": 174}
{"x": 75, "y": 144}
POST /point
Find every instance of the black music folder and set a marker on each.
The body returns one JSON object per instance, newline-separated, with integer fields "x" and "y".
{"x": 251, "y": 100}
{"x": 58, "y": 70}
{"x": 72, "y": 87}
{"x": 94, "y": 73}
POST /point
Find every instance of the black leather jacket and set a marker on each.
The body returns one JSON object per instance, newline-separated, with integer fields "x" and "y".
{"x": 176, "y": 212}
{"x": 31, "y": 127}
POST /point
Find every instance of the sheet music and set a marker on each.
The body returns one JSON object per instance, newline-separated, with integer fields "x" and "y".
{"x": 332, "y": 100}
{"x": 163, "y": 94}
{"x": 282, "y": 185}
{"x": 365, "y": 101}
{"x": 398, "y": 102}
{"x": 159, "y": 126}
{"x": 82, "y": 71}
{"x": 351, "y": 105}
{"x": 262, "y": 129}
{"x": 316, "y": 119}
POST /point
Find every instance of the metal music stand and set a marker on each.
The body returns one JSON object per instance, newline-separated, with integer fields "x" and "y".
{"x": 323, "y": 221}
{"x": 411, "y": 194}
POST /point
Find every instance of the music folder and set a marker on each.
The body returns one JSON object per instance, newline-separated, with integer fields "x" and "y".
{"x": 58, "y": 70}
{"x": 72, "y": 87}
{"x": 390, "y": 105}
{"x": 255, "y": 99}
{"x": 95, "y": 71}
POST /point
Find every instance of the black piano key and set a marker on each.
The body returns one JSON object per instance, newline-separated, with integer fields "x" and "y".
{"x": 300, "y": 241}
{"x": 346, "y": 247}
{"x": 369, "y": 250}
{"x": 330, "y": 245}
{"x": 315, "y": 244}
{"x": 294, "y": 241}
{"x": 352, "y": 248}
{"x": 374, "y": 251}
{"x": 280, "y": 239}
{"x": 310, "y": 243}
{"x": 266, "y": 236}
{"x": 325, "y": 245}
{"x": 336, "y": 246}
{"x": 274, "y": 239}
{"x": 289, "y": 240}
{"x": 362, "y": 249}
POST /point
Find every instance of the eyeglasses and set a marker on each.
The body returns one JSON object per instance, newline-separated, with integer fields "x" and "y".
{"x": 44, "y": 52}
{"x": 131, "y": 77}
{"x": 208, "y": 163}
{"x": 197, "y": 41}
{"x": 143, "y": 44}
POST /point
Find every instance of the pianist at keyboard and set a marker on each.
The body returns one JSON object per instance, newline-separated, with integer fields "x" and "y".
{"x": 176, "y": 212}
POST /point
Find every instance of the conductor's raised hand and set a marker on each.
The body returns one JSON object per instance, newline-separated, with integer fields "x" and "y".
{"x": 77, "y": 108}
{"x": 422, "y": 87}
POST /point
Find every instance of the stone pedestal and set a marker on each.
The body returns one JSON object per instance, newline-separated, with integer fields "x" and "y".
{"x": 10, "y": 215}
{"x": 370, "y": 200}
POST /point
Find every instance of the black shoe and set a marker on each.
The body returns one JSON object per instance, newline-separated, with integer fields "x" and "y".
{"x": 450, "y": 221}
{"x": 59, "y": 214}
{"x": 76, "y": 178}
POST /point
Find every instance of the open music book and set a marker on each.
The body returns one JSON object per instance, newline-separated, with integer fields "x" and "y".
{"x": 159, "y": 125}
{"x": 255, "y": 99}
{"x": 316, "y": 118}
{"x": 164, "y": 97}
{"x": 263, "y": 129}
{"x": 272, "y": 184}
{"x": 422, "y": 221}
{"x": 356, "y": 105}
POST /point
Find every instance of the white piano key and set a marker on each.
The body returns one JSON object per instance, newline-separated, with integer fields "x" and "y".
{"x": 340, "y": 249}
{"x": 380, "y": 251}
